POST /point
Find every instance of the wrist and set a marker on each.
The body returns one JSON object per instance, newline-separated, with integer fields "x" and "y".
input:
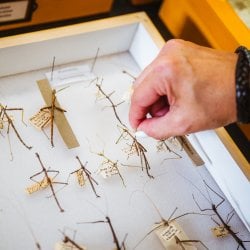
{"x": 242, "y": 81}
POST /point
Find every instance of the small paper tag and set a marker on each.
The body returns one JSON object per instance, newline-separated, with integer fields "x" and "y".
{"x": 80, "y": 175}
{"x": 41, "y": 119}
{"x": 44, "y": 183}
{"x": 219, "y": 231}
{"x": 169, "y": 232}
{"x": 108, "y": 171}
{"x": 70, "y": 75}
{"x": 67, "y": 246}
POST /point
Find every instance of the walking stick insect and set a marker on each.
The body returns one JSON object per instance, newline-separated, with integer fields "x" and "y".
{"x": 52, "y": 108}
{"x": 162, "y": 146}
{"x": 68, "y": 243}
{"x": 47, "y": 181}
{"x": 170, "y": 233}
{"x": 135, "y": 146}
{"x": 223, "y": 228}
{"x": 83, "y": 173}
{"x": 115, "y": 238}
{"x": 6, "y": 118}
{"x": 109, "y": 168}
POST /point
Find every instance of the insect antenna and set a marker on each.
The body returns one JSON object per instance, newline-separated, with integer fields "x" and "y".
{"x": 230, "y": 216}
{"x": 220, "y": 196}
{"x": 127, "y": 73}
{"x": 20, "y": 210}
{"x": 52, "y": 70}
{"x": 196, "y": 187}
{"x": 95, "y": 59}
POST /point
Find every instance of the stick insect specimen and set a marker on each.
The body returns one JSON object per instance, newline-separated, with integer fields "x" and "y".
{"x": 162, "y": 146}
{"x": 52, "y": 108}
{"x": 47, "y": 181}
{"x": 223, "y": 228}
{"x": 135, "y": 147}
{"x": 82, "y": 173}
{"x": 6, "y": 118}
{"x": 68, "y": 243}
{"x": 109, "y": 168}
{"x": 170, "y": 233}
{"x": 107, "y": 220}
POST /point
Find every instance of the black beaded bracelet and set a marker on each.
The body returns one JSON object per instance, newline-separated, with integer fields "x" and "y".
{"x": 242, "y": 81}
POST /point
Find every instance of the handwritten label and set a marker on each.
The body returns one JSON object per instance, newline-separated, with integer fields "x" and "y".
{"x": 80, "y": 175}
{"x": 41, "y": 119}
{"x": 67, "y": 246}
{"x": 108, "y": 171}
{"x": 44, "y": 183}
{"x": 1, "y": 124}
{"x": 170, "y": 233}
{"x": 70, "y": 75}
{"x": 219, "y": 231}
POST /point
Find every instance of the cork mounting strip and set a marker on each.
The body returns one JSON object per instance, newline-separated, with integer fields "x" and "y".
{"x": 60, "y": 120}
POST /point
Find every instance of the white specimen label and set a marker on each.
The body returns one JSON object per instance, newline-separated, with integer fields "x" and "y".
{"x": 169, "y": 232}
{"x": 12, "y": 11}
{"x": 69, "y": 75}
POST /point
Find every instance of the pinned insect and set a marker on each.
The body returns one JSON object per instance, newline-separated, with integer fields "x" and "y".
{"x": 170, "y": 232}
{"x": 223, "y": 228}
{"x": 135, "y": 147}
{"x": 82, "y": 173}
{"x": 107, "y": 220}
{"x": 6, "y": 118}
{"x": 109, "y": 168}
{"x": 46, "y": 116}
{"x": 47, "y": 181}
{"x": 68, "y": 243}
{"x": 129, "y": 74}
{"x": 162, "y": 146}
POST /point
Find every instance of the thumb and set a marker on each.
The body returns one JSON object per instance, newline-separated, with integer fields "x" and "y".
{"x": 159, "y": 127}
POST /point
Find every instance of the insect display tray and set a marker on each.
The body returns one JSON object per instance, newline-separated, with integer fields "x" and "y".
{"x": 126, "y": 43}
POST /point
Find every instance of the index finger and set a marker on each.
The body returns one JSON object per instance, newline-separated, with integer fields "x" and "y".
{"x": 144, "y": 96}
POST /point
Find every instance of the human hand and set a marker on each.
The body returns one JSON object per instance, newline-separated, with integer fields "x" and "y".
{"x": 187, "y": 88}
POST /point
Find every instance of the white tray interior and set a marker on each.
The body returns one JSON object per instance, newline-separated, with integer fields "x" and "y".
{"x": 125, "y": 47}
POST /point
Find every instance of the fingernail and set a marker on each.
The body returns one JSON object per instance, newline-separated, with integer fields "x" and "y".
{"x": 141, "y": 134}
